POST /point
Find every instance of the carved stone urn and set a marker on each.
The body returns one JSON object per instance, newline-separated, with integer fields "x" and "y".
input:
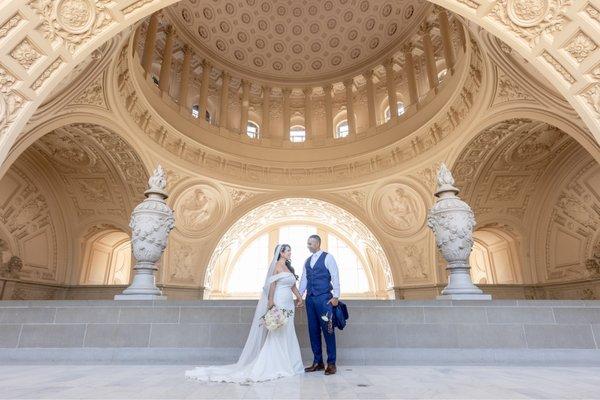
{"x": 151, "y": 222}
{"x": 452, "y": 222}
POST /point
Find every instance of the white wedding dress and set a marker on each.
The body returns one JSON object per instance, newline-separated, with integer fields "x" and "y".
{"x": 267, "y": 355}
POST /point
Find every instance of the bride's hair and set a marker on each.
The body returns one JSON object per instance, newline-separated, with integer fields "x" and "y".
{"x": 288, "y": 263}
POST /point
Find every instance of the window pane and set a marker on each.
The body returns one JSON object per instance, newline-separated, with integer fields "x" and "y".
{"x": 297, "y": 133}
{"x": 342, "y": 129}
{"x": 296, "y": 236}
{"x": 250, "y": 270}
{"x": 252, "y": 130}
{"x": 400, "y": 108}
{"x": 353, "y": 278}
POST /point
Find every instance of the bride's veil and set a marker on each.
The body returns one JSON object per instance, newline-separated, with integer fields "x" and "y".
{"x": 254, "y": 343}
{"x": 258, "y": 334}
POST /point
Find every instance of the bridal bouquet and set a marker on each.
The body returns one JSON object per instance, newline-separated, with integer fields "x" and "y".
{"x": 275, "y": 317}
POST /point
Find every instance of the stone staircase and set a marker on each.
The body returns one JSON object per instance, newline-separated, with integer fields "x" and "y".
{"x": 378, "y": 332}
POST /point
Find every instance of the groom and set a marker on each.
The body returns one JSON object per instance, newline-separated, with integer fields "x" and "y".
{"x": 320, "y": 281}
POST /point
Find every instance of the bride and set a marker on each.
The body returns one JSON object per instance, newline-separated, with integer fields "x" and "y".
{"x": 267, "y": 354}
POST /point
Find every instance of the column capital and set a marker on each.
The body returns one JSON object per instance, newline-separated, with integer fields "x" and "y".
{"x": 408, "y": 47}
{"x": 225, "y": 75}
{"x": 157, "y": 14}
{"x": 266, "y": 89}
{"x": 286, "y": 92}
{"x": 437, "y": 10}
{"x": 368, "y": 74}
{"x": 388, "y": 63}
{"x": 328, "y": 88}
{"x": 187, "y": 50}
{"x": 170, "y": 30}
{"x": 307, "y": 91}
{"x": 206, "y": 64}
{"x": 425, "y": 28}
{"x": 246, "y": 84}
{"x": 349, "y": 82}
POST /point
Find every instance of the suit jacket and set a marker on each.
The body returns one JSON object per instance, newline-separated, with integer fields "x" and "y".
{"x": 340, "y": 315}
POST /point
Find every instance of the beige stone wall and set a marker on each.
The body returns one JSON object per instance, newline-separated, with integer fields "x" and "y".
{"x": 525, "y": 159}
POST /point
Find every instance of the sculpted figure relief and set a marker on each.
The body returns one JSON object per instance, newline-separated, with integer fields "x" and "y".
{"x": 402, "y": 209}
{"x": 195, "y": 209}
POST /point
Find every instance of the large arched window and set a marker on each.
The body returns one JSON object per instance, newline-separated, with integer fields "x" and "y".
{"x": 247, "y": 275}
{"x": 388, "y": 115}
{"x": 342, "y": 129}
{"x": 251, "y": 267}
{"x": 252, "y": 130}
{"x": 297, "y": 134}
{"x": 240, "y": 260}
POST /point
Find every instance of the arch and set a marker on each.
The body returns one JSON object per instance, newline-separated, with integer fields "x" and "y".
{"x": 496, "y": 257}
{"x": 253, "y": 130}
{"x": 106, "y": 258}
{"x": 296, "y": 209}
{"x": 575, "y": 80}
{"x": 384, "y": 108}
{"x": 58, "y": 121}
{"x": 268, "y": 237}
{"x": 527, "y": 112}
{"x": 297, "y": 133}
{"x": 342, "y": 129}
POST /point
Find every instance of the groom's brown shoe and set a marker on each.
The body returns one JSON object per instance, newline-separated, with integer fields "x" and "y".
{"x": 331, "y": 369}
{"x": 315, "y": 367}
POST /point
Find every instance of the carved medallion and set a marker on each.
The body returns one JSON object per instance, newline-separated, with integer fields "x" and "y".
{"x": 527, "y": 13}
{"x": 399, "y": 208}
{"x": 198, "y": 209}
{"x": 75, "y": 16}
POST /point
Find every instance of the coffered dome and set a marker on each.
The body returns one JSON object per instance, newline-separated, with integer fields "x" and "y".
{"x": 298, "y": 41}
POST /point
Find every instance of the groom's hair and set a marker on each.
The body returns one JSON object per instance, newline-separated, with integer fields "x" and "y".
{"x": 316, "y": 237}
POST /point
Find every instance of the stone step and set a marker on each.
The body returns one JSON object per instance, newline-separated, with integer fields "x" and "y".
{"x": 378, "y": 331}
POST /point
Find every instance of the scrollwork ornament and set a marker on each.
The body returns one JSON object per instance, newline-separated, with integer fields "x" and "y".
{"x": 72, "y": 21}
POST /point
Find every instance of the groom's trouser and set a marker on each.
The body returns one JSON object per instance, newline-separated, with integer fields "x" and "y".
{"x": 316, "y": 307}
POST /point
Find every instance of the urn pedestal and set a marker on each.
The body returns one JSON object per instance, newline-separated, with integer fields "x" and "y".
{"x": 151, "y": 222}
{"x": 452, "y": 222}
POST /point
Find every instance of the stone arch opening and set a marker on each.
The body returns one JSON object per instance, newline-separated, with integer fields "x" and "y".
{"x": 69, "y": 181}
{"x": 106, "y": 258}
{"x": 324, "y": 216}
{"x": 496, "y": 257}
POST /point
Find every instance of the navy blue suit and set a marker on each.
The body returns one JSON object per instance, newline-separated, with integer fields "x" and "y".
{"x": 318, "y": 293}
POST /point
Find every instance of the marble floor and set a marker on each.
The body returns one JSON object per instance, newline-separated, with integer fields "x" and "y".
{"x": 407, "y": 382}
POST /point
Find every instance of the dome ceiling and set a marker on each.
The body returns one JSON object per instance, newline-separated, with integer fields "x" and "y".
{"x": 307, "y": 40}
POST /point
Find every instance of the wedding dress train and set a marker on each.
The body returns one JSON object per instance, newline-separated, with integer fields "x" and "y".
{"x": 267, "y": 355}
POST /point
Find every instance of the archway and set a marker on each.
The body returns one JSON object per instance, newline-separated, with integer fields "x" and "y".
{"x": 42, "y": 42}
{"x": 495, "y": 258}
{"x": 322, "y": 215}
{"x": 107, "y": 259}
